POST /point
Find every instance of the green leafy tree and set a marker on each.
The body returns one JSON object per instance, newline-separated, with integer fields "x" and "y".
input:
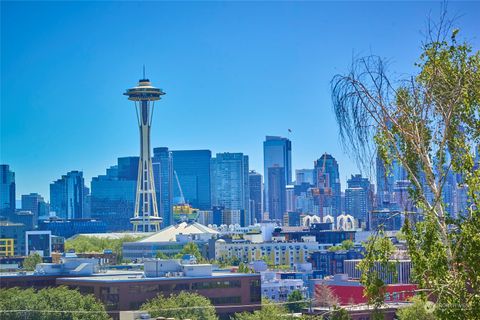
{"x": 185, "y": 305}
{"x": 296, "y": 301}
{"x": 161, "y": 255}
{"x": 58, "y": 303}
{"x": 31, "y": 261}
{"x": 345, "y": 245}
{"x": 191, "y": 248}
{"x": 429, "y": 124}
{"x": 418, "y": 310}
{"x": 84, "y": 244}
{"x": 268, "y": 311}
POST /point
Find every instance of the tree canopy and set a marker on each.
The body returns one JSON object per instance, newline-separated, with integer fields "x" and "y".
{"x": 83, "y": 244}
{"x": 31, "y": 261}
{"x": 49, "y": 304}
{"x": 185, "y": 305}
{"x": 296, "y": 301}
{"x": 429, "y": 124}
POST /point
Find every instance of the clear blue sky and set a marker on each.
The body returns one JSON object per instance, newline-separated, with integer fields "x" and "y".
{"x": 233, "y": 72}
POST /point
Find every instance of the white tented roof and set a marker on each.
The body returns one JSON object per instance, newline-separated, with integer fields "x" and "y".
{"x": 170, "y": 233}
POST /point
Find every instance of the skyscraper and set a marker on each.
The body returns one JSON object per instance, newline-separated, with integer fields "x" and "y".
{"x": 327, "y": 179}
{"x": 163, "y": 176}
{"x": 303, "y": 176}
{"x": 230, "y": 183}
{"x": 277, "y": 202}
{"x": 277, "y": 153}
{"x": 67, "y": 195}
{"x": 358, "y": 198}
{"x": 145, "y": 217}
{"x": 256, "y": 192}
{"x": 192, "y": 167}
{"x": 113, "y": 194}
{"x": 7, "y": 190}
{"x": 34, "y": 203}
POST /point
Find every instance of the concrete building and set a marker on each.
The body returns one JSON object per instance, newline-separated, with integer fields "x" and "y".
{"x": 280, "y": 253}
{"x": 240, "y": 292}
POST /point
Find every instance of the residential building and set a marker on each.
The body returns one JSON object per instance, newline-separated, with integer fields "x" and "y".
{"x": 162, "y": 164}
{"x": 16, "y": 232}
{"x": 230, "y": 184}
{"x": 328, "y": 263}
{"x": 192, "y": 168}
{"x": 402, "y": 273}
{"x": 39, "y": 242}
{"x": 277, "y": 289}
{"x": 280, "y": 253}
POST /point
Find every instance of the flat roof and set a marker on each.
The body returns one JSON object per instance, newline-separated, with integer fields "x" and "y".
{"x": 108, "y": 273}
{"x": 140, "y": 278}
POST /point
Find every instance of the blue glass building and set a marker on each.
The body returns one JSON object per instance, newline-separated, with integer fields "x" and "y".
{"x": 277, "y": 152}
{"x": 67, "y": 195}
{"x": 256, "y": 192}
{"x": 230, "y": 183}
{"x": 192, "y": 168}
{"x": 7, "y": 190}
{"x": 327, "y": 178}
{"x": 113, "y": 194}
{"x": 276, "y": 195}
{"x": 359, "y": 198}
{"x": 162, "y": 164}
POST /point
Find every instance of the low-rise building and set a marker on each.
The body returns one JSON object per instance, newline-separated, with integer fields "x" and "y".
{"x": 276, "y": 288}
{"x": 280, "y": 253}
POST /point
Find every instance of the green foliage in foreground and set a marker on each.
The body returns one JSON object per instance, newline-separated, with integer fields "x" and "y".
{"x": 83, "y": 244}
{"x": 418, "y": 310}
{"x": 269, "y": 311}
{"x": 49, "y": 304}
{"x": 185, "y": 305}
{"x": 296, "y": 301}
{"x": 31, "y": 261}
{"x": 345, "y": 245}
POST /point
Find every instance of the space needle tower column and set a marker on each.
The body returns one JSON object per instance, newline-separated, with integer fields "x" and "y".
{"x": 146, "y": 217}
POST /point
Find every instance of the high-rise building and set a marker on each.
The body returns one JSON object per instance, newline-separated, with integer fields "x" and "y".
{"x": 359, "y": 198}
{"x": 230, "y": 183}
{"x": 327, "y": 179}
{"x": 145, "y": 217}
{"x": 303, "y": 176}
{"x": 256, "y": 192}
{"x": 67, "y": 195}
{"x": 163, "y": 177}
{"x": 277, "y": 153}
{"x": 277, "y": 202}
{"x": 7, "y": 190}
{"x": 113, "y": 194}
{"x": 34, "y": 203}
{"x": 192, "y": 167}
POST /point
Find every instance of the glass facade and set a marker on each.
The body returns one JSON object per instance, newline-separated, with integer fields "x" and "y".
{"x": 7, "y": 190}
{"x": 230, "y": 183}
{"x": 34, "y": 203}
{"x": 277, "y": 152}
{"x": 113, "y": 194}
{"x": 193, "y": 170}
{"x": 277, "y": 202}
{"x": 67, "y": 195}
{"x": 327, "y": 178}
{"x": 162, "y": 164}
{"x": 256, "y": 190}
{"x": 358, "y": 198}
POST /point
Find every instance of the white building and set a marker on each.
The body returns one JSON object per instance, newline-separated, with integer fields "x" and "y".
{"x": 276, "y": 289}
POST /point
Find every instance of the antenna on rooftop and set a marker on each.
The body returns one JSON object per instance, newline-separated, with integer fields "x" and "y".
{"x": 144, "y": 72}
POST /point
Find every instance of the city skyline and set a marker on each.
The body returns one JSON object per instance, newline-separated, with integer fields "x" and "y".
{"x": 256, "y": 74}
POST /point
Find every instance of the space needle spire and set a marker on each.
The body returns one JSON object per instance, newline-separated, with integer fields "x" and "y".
{"x": 145, "y": 217}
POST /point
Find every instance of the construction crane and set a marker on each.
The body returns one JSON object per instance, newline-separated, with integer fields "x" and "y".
{"x": 182, "y": 198}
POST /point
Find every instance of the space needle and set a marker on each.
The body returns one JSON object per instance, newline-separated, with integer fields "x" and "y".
{"x": 145, "y": 217}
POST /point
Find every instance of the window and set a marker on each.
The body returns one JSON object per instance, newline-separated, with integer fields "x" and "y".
{"x": 226, "y": 300}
